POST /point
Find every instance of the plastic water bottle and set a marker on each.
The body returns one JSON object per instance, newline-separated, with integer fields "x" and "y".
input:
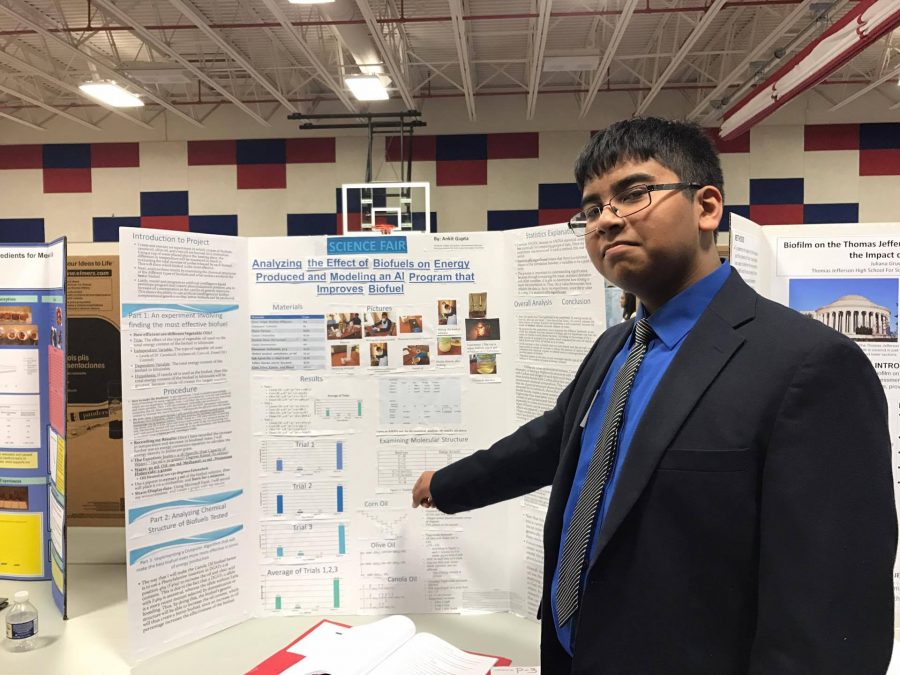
{"x": 21, "y": 623}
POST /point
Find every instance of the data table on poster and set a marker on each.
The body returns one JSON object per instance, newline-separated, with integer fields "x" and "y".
{"x": 380, "y": 596}
{"x": 20, "y": 421}
{"x": 294, "y": 342}
{"x": 428, "y": 401}
{"x": 399, "y": 467}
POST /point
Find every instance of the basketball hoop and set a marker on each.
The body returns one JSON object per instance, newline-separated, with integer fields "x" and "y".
{"x": 384, "y": 228}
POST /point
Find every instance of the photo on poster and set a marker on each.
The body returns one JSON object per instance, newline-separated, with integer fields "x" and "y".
{"x": 343, "y": 326}
{"x": 483, "y": 364}
{"x": 417, "y": 355}
{"x": 14, "y": 497}
{"x": 15, "y": 314}
{"x": 18, "y": 335}
{"x": 446, "y": 310}
{"x": 863, "y": 309}
{"x": 378, "y": 354}
{"x": 344, "y": 356}
{"x": 449, "y": 346}
{"x": 411, "y": 323}
{"x": 477, "y": 305}
{"x": 381, "y": 324}
{"x": 482, "y": 329}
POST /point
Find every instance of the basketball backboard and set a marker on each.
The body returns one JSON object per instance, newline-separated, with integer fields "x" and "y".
{"x": 385, "y": 208}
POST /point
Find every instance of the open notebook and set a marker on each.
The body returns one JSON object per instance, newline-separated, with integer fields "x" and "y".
{"x": 390, "y": 646}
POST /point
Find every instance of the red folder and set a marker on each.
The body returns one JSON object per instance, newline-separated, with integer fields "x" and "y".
{"x": 283, "y": 659}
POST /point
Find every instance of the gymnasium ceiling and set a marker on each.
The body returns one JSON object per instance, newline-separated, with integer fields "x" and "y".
{"x": 268, "y": 57}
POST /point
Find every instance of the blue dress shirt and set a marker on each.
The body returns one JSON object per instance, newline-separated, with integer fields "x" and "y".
{"x": 671, "y": 323}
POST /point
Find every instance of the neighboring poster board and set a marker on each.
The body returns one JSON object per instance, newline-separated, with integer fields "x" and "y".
{"x": 96, "y": 492}
{"x": 33, "y": 478}
{"x": 846, "y": 276}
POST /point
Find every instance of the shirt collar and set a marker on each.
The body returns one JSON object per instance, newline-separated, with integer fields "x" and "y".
{"x": 674, "y": 320}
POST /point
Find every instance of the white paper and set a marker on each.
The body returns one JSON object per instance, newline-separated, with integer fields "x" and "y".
{"x": 322, "y": 639}
{"x": 19, "y": 271}
{"x": 57, "y": 522}
{"x": 53, "y": 455}
{"x": 420, "y": 402}
{"x": 426, "y": 654}
{"x": 358, "y": 650}
{"x": 360, "y": 381}
{"x": 185, "y": 400}
{"x": 559, "y": 311}
{"x": 19, "y": 371}
{"x": 20, "y": 421}
{"x": 386, "y": 647}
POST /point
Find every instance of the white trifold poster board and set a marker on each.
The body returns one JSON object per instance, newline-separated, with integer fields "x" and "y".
{"x": 845, "y": 276}
{"x": 282, "y": 395}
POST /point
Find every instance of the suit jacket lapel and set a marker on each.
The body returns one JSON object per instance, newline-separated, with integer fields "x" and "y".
{"x": 606, "y": 352}
{"x": 593, "y": 375}
{"x": 706, "y": 350}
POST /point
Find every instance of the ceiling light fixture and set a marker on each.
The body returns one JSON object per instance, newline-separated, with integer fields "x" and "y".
{"x": 368, "y": 87}
{"x": 562, "y": 63}
{"x": 155, "y": 72}
{"x": 112, "y": 94}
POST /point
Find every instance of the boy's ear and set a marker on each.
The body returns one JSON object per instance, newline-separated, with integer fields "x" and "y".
{"x": 710, "y": 206}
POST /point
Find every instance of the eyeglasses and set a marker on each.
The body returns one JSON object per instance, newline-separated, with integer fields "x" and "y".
{"x": 626, "y": 203}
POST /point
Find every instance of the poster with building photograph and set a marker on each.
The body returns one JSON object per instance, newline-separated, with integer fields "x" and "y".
{"x": 844, "y": 276}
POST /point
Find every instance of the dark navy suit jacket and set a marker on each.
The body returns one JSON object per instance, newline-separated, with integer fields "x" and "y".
{"x": 753, "y": 528}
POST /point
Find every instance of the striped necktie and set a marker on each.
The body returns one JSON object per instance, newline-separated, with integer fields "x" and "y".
{"x": 585, "y": 514}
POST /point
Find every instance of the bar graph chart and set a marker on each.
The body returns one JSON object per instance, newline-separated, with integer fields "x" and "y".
{"x": 338, "y": 408}
{"x": 302, "y": 589}
{"x": 302, "y": 455}
{"x": 298, "y": 498}
{"x": 303, "y": 541}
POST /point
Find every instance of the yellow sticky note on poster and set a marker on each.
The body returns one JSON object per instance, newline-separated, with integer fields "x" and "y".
{"x": 17, "y": 459}
{"x": 22, "y": 544}
{"x": 60, "y": 465}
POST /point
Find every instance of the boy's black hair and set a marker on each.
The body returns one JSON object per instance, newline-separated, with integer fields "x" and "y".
{"x": 683, "y": 147}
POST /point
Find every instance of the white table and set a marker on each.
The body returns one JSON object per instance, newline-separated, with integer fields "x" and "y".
{"x": 94, "y": 641}
{"x": 95, "y": 638}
